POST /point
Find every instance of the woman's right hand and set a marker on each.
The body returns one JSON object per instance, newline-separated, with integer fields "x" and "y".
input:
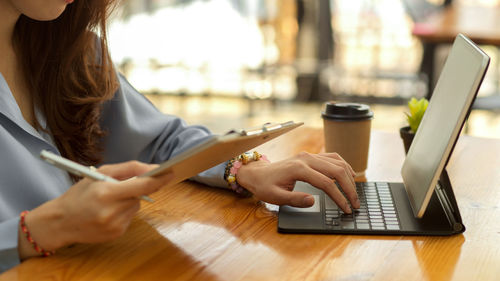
{"x": 91, "y": 211}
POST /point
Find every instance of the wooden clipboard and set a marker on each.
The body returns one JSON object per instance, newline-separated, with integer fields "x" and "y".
{"x": 219, "y": 149}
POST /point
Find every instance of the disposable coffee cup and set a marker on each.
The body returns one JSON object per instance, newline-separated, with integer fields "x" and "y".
{"x": 347, "y": 131}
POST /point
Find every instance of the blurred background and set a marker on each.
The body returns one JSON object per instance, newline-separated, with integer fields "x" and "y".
{"x": 239, "y": 63}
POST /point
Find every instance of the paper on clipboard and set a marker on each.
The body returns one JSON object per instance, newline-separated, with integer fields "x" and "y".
{"x": 219, "y": 149}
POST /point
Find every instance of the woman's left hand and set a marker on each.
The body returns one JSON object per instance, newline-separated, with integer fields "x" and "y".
{"x": 274, "y": 182}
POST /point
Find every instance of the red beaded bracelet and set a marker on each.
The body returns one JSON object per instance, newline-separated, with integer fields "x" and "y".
{"x": 25, "y": 230}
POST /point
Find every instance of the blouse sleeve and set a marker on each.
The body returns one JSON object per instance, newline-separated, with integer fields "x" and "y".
{"x": 137, "y": 130}
{"x": 9, "y": 256}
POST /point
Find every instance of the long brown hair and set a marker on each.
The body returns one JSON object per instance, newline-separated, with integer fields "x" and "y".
{"x": 69, "y": 72}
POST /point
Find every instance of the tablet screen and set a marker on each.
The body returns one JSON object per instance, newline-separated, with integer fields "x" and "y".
{"x": 448, "y": 108}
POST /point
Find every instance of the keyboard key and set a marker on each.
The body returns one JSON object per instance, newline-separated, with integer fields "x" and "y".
{"x": 347, "y": 224}
{"x": 393, "y": 227}
{"x": 362, "y": 226}
{"x": 391, "y": 218}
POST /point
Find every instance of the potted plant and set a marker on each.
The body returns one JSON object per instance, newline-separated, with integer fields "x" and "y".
{"x": 417, "y": 110}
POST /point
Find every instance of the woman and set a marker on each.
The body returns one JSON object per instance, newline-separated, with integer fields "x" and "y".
{"x": 59, "y": 92}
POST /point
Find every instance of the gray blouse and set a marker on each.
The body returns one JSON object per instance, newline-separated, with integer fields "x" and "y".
{"x": 136, "y": 131}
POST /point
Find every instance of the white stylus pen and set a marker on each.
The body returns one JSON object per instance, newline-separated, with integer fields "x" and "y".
{"x": 78, "y": 169}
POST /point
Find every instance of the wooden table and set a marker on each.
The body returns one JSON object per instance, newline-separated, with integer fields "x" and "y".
{"x": 193, "y": 232}
{"x": 479, "y": 23}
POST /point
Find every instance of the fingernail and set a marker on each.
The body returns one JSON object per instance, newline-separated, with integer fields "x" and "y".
{"x": 347, "y": 209}
{"x": 308, "y": 200}
{"x": 358, "y": 204}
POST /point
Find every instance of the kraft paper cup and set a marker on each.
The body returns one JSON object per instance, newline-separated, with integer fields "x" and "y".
{"x": 347, "y": 132}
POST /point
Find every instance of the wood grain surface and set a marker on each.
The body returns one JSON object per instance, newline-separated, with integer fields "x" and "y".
{"x": 194, "y": 232}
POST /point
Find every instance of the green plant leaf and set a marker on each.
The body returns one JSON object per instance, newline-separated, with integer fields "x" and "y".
{"x": 413, "y": 105}
{"x": 417, "y": 111}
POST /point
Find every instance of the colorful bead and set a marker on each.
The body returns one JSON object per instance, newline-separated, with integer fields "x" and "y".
{"x": 235, "y": 164}
{"x": 244, "y": 158}
{"x": 30, "y": 239}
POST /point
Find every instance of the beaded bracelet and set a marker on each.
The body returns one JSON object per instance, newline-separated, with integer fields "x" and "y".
{"x": 235, "y": 164}
{"x": 25, "y": 230}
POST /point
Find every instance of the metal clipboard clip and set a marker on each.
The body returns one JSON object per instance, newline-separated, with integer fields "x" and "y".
{"x": 266, "y": 127}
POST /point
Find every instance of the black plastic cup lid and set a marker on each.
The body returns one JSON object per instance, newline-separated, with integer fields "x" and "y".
{"x": 346, "y": 111}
